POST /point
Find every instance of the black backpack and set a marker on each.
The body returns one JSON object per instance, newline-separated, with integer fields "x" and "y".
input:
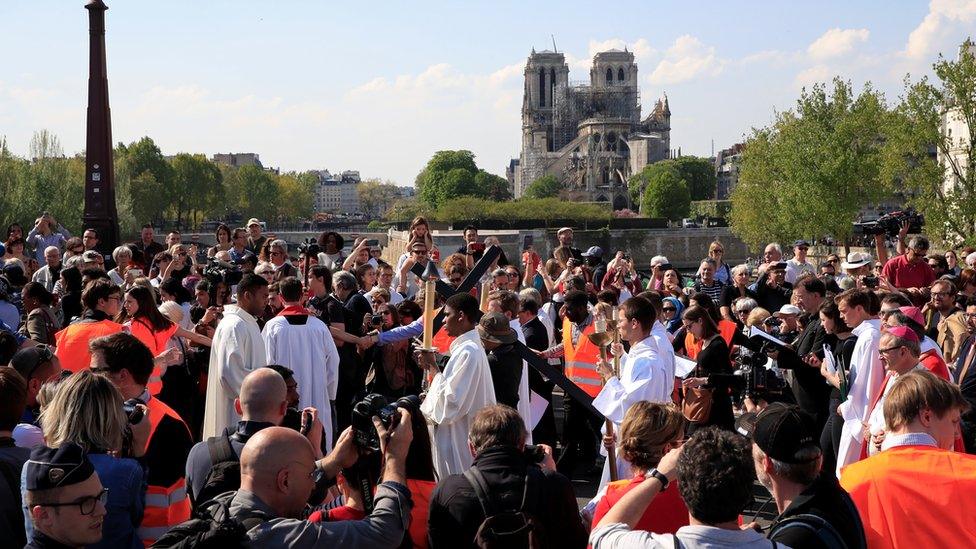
{"x": 225, "y": 471}
{"x": 815, "y": 526}
{"x": 206, "y": 531}
{"x": 507, "y": 528}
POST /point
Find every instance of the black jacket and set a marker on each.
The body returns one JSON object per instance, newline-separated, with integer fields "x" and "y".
{"x": 506, "y": 374}
{"x": 812, "y": 392}
{"x": 825, "y": 499}
{"x": 456, "y": 515}
{"x": 770, "y": 298}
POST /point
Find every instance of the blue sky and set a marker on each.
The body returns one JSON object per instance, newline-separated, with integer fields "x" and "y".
{"x": 379, "y": 87}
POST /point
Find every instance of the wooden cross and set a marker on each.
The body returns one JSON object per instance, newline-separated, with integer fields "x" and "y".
{"x": 540, "y": 364}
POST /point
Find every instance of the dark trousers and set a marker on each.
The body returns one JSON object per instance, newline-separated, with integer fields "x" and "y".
{"x": 830, "y": 437}
{"x": 580, "y": 437}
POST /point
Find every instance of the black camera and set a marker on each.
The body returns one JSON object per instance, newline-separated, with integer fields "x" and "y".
{"x": 754, "y": 380}
{"x": 534, "y": 453}
{"x": 133, "y": 413}
{"x": 309, "y": 248}
{"x": 218, "y": 271}
{"x": 375, "y": 404}
{"x": 376, "y": 320}
{"x": 890, "y": 223}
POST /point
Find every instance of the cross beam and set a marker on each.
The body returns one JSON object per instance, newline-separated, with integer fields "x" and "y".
{"x": 540, "y": 364}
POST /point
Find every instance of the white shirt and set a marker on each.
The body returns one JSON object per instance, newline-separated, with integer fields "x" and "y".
{"x": 876, "y": 421}
{"x": 794, "y": 269}
{"x": 309, "y": 350}
{"x": 868, "y": 373}
{"x": 454, "y": 397}
{"x": 644, "y": 375}
{"x": 665, "y": 350}
{"x": 237, "y": 349}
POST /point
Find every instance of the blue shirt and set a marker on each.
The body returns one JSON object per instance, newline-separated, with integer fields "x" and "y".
{"x": 126, "y": 483}
{"x": 414, "y": 329}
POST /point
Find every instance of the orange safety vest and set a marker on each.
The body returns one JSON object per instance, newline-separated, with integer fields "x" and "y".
{"x": 420, "y": 492}
{"x": 166, "y": 506}
{"x": 581, "y": 360}
{"x": 914, "y": 496}
{"x": 726, "y": 329}
{"x": 73, "y": 342}
{"x": 156, "y": 341}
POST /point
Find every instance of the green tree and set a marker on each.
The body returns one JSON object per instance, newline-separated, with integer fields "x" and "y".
{"x": 195, "y": 186}
{"x": 940, "y": 114}
{"x": 810, "y": 172}
{"x": 297, "y": 195}
{"x": 546, "y": 186}
{"x": 491, "y": 186}
{"x": 666, "y": 194}
{"x": 376, "y": 197}
{"x": 452, "y": 174}
{"x": 700, "y": 175}
{"x": 258, "y": 193}
{"x": 143, "y": 178}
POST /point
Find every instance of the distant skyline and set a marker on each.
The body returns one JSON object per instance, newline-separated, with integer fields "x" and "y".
{"x": 312, "y": 85}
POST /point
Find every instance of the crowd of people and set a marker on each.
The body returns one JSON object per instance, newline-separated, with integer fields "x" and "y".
{"x": 255, "y": 393}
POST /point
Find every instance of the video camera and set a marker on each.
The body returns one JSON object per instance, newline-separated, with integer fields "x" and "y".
{"x": 309, "y": 247}
{"x": 754, "y": 380}
{"x": 218, "y": 271}
{"x": 375, "y": 404}
{"x": 891, "y": 223}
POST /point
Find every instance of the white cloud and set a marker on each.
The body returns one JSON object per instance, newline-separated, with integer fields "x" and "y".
{"x": 837, "y": 42}
{"x": 688, "y": 58}
{"x": 943, "y": 15}
{"x": 813, "y": 75}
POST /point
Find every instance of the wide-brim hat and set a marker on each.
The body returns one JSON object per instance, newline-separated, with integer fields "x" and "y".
{"x": 856, "y": 260}
{"x": 495, "y": 328}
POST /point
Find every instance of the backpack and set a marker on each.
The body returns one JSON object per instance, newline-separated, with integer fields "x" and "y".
{"x": 207, "y": 532}
{"x": 225, "y": 471}
{"x": 509, "y": 528}
{"x": 814, "y": 526}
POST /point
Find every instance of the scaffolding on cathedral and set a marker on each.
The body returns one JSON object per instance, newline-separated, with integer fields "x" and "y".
{"x": 579, "y": 101}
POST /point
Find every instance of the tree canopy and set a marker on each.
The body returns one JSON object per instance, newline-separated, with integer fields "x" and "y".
{"x": 666, "y": 193}
{"x": 699, "y": 173}
{"x": 453, "y": 174}
{"x": 811, "y": 171}
{"x": 546, "y": 186}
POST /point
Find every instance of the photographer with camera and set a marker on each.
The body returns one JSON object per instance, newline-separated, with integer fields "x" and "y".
{"x": 298, "y": 340}
{"x": 128, "y": 364}
{"x": 910, "y": 271}
{"x": 509, "y": 485}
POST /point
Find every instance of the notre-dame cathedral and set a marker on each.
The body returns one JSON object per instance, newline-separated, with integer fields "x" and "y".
{"x": 589, "y": 135}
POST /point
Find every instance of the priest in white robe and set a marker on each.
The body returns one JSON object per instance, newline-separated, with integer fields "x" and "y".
{"x": 237, "y": 350}
{"x": 456, "y": 394}
{"x": 645, "y": 373}
{"x": 303, "y": 343}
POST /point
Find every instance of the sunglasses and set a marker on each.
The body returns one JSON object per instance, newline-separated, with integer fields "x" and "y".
{"x": 668, "y": 309}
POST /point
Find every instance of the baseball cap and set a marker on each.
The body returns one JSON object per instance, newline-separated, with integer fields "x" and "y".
{"x": 564, "y": 229}
{"x": 90, "y": 256}
{"x": 778, "y": 266}
{"x": 252, "y": 221}
{"x": 593, "y": 251}
{"x": 856, "y": 260}
{"x": 801, "y": 243}
{"x": 782, "y": 431}
{"x": 26, "y": 360}
{"x": 787, "y": 310}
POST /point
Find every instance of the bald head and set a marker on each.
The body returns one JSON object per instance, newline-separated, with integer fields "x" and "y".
{"x": 277, "y": 465}
{"x": 263, "y": 396}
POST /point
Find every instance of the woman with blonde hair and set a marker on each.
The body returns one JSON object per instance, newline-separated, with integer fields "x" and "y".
{"x": 87, "y": 410}
{"x": 649, "y": 431}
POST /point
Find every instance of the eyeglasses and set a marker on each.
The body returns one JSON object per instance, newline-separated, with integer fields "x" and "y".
{"x": 420, "y": 252}
{"x": 939, "y": 294}
{"x": 668, "y": 309}
{"x": 85, "y": 504}
{"x": 277, "y": 253}
{"x": 889, "y": 349}
{"x": 719, "y": 251}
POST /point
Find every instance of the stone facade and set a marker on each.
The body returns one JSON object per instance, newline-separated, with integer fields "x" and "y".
{"x": 337, "y": 193}
{"x": 590, "y": 136}
{"x": 956, "y": 130}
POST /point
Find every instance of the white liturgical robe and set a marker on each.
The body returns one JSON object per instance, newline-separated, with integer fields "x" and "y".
{"x": 644, "y": 375}
{"x": 454, "y": 397}
{"x": 237, "y": 350}
{"x": 868, "y": 372}
{"x": 304, "y": 344}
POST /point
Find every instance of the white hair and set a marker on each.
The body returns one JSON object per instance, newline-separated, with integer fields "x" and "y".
{"x": 49, "y": 248}
{"x": 774, "y": 246}
{"x": 740, "y": 269}
{"x": 172, "y": 310}
{"x": 659, "y": 260}
{"x": 279, "y": 243}
{"x": 121, "y": 251}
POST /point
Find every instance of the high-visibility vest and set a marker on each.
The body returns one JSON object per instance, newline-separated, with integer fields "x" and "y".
{"x": 156, "y": 341}
{"x": 726, "y": 329}
{"x": 166, "y": 506}
{"x": 581, "y": 359}
{"x": 914, "y": 496}
{"x": 73, "y": 341}
{"x": 666, "y": 513}
{"x": 420, "y": 492}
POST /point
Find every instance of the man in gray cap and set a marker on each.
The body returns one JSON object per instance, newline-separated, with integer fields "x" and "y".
{"x": 594, "y": 260}
{"x": 65, "y": 498}
{"x": 499, "y": 338}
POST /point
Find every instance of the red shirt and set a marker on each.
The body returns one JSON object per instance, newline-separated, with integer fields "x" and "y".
{"x": 665, "y": 514}
{"x": 903, "y": 274}
{"x": 337, "y": 514}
